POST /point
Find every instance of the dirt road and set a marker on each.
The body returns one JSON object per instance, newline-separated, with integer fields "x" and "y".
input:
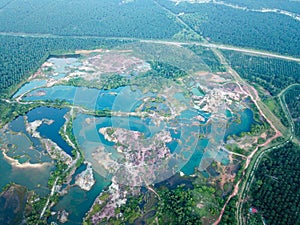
{"x": 252, "y": 93}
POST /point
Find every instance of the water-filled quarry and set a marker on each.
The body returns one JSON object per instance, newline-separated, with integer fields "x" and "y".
{"x": 150, "y": 133}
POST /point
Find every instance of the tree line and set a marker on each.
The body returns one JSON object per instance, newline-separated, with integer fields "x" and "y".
{"x": 222, "y": 24}
{"x": 275, "y": 191}
{"x": 292, "y": 99}
{"x": 107, "y": 18}
{"x": 272, "y": 74}
{"x": 22, "y": 56}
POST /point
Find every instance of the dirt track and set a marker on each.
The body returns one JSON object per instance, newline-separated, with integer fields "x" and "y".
{"x": 252, "y": 93}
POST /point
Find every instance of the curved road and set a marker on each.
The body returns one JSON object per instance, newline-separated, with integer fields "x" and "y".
{"x": 266, "y": 113}
{"x": 250, "y": 173}
{"x": 257, "y": 154}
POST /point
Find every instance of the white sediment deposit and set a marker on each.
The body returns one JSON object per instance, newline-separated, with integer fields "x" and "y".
{"x": 32, "y": 127}
{"x": 85, "y": 180}
{"x": 63, "y": 216}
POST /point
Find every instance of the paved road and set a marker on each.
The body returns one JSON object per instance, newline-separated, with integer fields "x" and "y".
{"x": 226, "y": 47}
{"x": 214, "y": 47}
{"x": 178, "y": 43}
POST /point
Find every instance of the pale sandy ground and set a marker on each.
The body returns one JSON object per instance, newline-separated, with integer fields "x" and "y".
{"x": 15, "y": 163}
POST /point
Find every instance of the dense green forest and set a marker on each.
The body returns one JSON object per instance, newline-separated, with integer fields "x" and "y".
{"x": 177, "y": 207}
{"x": 272, "y": 74}
{"x": 106, "y": 82}
{"x": 117, "y": 18}
{"x": 207, "y": 55}
{"x": 33, "y": 30}
{"x": 275, "y": 191}
{"x": 181, "y": 203}
{"x": 292, "y": 99}
{"x": 20, "y": 56}
{"x": 229, "y": 216}
{"x": 165, "y": 70}
{"x": 108, "y": 18}
{"x": 227, "y": 25}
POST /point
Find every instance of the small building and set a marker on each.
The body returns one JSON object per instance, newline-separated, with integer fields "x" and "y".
{"x": 253, "y": 210}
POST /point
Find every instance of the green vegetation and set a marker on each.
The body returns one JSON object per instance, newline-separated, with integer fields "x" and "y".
{"x": 177, "y": 207}
{"x": 236, "y": 149}
{"x": 103, "y": 113}
{"x": 219, "y": 23}
{"x": 22, "y": 56}
{"x": 257, "y": 129}
{"x": 272, "y": 74}
{"x": 18, "y": 203}
{"x": 229, "y": 216}
{"x": 272, "y": 103}
{"x": 61, "y": 27}
{"x": 292, "y": 99}
{"x": 69, "y": 133}
{"x": 208, "y": 57}
{"x": 106, "y": 82}
{"x": 165, "y": 70}
{"x": 131, "y": 211}
{"x": 106, "y": 18}
{"x": 9, "y": 111}
{"x": 60, "y": 172}
{"x": 34, "y": 208}
{"x": 187, "y": 35}
{"x": 269, "y": 76}
{"x": 160, "y": 75}
{"x": 150, "y": 83}
{"x": 186, "y": 201}
{"x": 275, "y": 190}
{"x": 97, "y": 207}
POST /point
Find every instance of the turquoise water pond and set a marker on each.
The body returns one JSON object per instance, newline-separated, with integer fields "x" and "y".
{"x": 120, "y": 99}
{"x": 33, "y": 178}
{"x": 18, "y": 125}
{"x": 77, "y": 202}
{"x": 30, "y": 86}
{"x": 51, "y": 131}
{"x": 195, "y": 159}
{"x": 235, "y": 128}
